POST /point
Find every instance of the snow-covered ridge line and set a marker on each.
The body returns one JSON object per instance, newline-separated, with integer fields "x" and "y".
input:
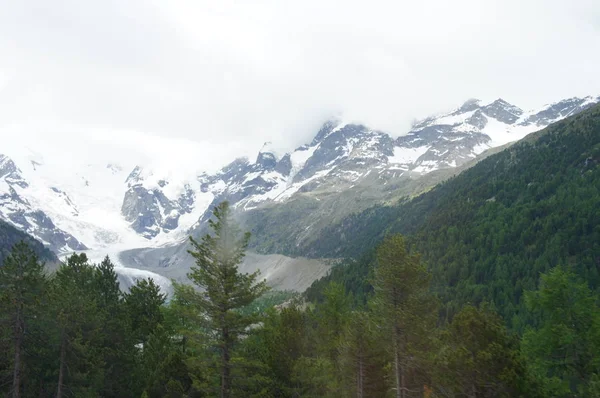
{"x": 102, "y": 202}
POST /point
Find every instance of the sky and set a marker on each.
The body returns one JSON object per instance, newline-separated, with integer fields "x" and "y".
{"x": 212, "y": 80}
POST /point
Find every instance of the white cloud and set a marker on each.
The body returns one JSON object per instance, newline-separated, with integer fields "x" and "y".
{"x": 229, "y": 75}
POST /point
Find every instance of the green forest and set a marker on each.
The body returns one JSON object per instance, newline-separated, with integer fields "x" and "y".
{"x": 485, "y": 286}
{"x": 488, "y": 233}
{"x": 75, "y": 334}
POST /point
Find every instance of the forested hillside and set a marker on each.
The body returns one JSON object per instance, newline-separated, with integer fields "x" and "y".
{"x": 10, "y": 236}
{"x": 488, "y": 233}
{"x": 513, "y": 241}
{"x": 76, "y": 334}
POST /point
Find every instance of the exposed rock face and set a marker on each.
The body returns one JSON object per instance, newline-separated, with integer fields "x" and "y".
{"x": 17, "y": 209}
{"x": 560, "y": 110}
{"x": 502, "y": 111}
{"x": 149, "y": 210}
{"x": 340, "y": 158}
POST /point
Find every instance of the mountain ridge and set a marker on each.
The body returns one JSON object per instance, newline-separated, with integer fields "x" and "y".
{"x": 105, "y": 206}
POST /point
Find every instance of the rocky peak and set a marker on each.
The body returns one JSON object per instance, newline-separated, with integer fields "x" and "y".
{"x": 17, "y": 208}
{"x": 502, "y": 111}
{"x": 238, "y": 166}
{"x": 10, "y": 172}
{"x": 284, "y": 166}
{"x": 343, "y": 143}
{"x": 267, "y": 158}
{"x": 477, "y": 120}
{"x": 7, "y": 166}
{"x": 135, "y": 177}
{"x": 469, "y": 105}
{"x": 559, "y": 110}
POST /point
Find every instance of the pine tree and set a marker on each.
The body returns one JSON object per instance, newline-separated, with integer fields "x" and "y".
{"x": 333, "y": 315}
{"x": 224, "y": 289}
{"x": 480, "y": 359}
{"x": 22, "y": 286}
{"x": 563, "y": 350}
{"x": 78, "y": 326}
{"x": 405, "y": 311}
{"x": 117, "y": 344}
{"x": 361, "y": 354}
{"x": 143, "y": 305}
{"x": 274, "y": 348}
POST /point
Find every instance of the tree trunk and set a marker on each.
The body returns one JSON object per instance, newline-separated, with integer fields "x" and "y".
{"x": 225, "y": 371}
{"x": 61, "y": 371}
{"x": 398, "y": 365}
{"x": 473, "y": 393}
{"x": 19, "y": 331}
{"x": 360, "y": 389}
{"x": 403, "y": 382}
{"x": 397, "y": 372}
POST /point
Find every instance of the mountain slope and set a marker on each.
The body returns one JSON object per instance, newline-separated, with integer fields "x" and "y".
{"x": 435, "y": 149}
{"x": 10, "y": 236}
{"x": 490, "y": 231}
{"x": 103, "y": 201}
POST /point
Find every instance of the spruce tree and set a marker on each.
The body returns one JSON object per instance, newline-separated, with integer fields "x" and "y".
{"x": 78, "y": 327}
{"x": 361, "y": 354}
{"x": 563, "y": 349}
{"x": 333, "y": 315}
{"x": 479, "y": 358}
{"x": 143, "y": 305}
{"x": 224, "y": 289}
{"x": 116, "y": 340}
{"x": 22, "y": 285}
{"x": 405, "y": 312}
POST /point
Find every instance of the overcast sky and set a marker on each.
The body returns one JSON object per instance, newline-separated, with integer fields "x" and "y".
{"x": 229, "y": 75}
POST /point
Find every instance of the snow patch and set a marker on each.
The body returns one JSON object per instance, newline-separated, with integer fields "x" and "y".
{"x": 403, "y": 155}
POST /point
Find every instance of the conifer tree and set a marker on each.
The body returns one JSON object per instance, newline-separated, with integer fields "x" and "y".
{"x": 361, "y": 354}
{"x": 78, "y": 327}
{"x": 333, "y": 315}
{"x": 480, "y": 358}
{"x": 22, "y": 285}
{"x": 116, "y": 340}
{"x": 224, "y": 289}
{"x": 405, "y": 311}
{"x": 563, "y": 350}
{"x": 143, "y": 305}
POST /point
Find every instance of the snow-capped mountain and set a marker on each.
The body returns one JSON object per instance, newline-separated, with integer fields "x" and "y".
{"x": 342, "y": 155}
{"x": 19, "y": 206}
{"x": 153, "y": 206}
{"x": 98, "y": 204}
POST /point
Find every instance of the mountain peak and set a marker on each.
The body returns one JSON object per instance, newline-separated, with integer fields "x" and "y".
{"x": 502, "y": 111}
{"x": 326, "y": 129}
{"x": 469, "y": 105}
{"x": 267, "y": 156}
{"x": 7, "y": 166}
{"x": 135, "y": 176}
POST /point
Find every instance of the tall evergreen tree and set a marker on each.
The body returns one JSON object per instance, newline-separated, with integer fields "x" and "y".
{"x": 78, "y": 327}
{"x": 333, "y": 315}
{"x": 143, "y": 305}
{"x": 275, "y": 347}
{"x": 563, "y": 350}
{"x": 480, "y": 359}
{"x": 361, "y": 355}
{"x": 115, "y": 339}
{"x": 406, "y": 312}
{"x": 224, "y": 289}
{"x": 22, "y": 286}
